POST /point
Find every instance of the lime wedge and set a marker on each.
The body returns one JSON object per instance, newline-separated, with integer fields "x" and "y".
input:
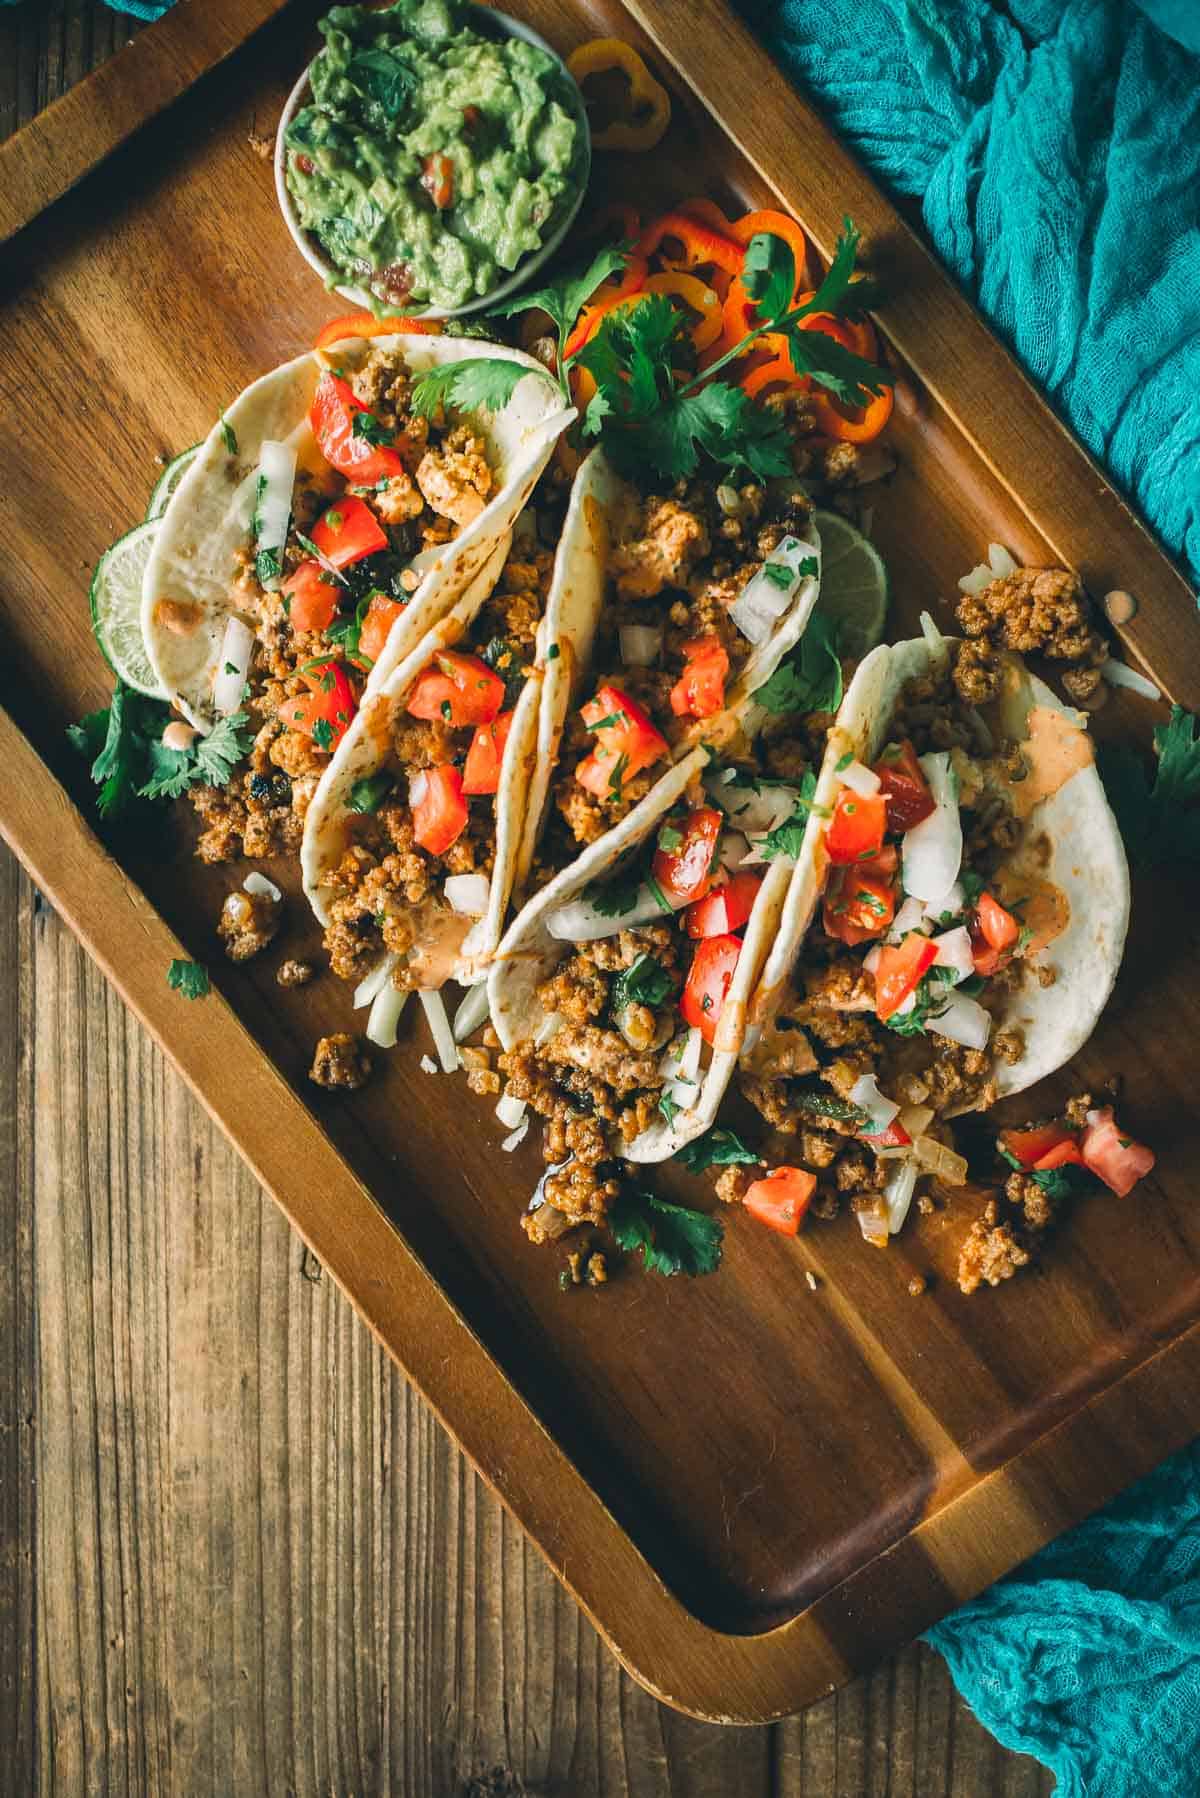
{"x": 116, "y": 600}
{"x": 167, "y": 482}
{"x": 854, "y": 585}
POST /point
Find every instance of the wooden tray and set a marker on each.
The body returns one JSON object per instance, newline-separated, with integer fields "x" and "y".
{"x": 753, "y": 1489}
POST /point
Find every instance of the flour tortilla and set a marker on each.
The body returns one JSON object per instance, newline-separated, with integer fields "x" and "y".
{"x": 207, "y": 523}
{"x": 1086, "y": 862}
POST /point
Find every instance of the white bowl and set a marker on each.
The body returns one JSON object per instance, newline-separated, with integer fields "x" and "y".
{"x": 315, "y": 256}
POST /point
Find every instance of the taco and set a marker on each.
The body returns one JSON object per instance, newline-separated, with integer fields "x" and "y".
{"x": 953, "y": 925}
{"x": 324, "y": 516}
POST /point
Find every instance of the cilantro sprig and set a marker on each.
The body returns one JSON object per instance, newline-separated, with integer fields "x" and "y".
{"x": 130, "y": 760}
{"x": 716, "y": 1148}
{"x": 647, "y": 982}
{"x": 671, "y": 1239}
{"x": 787, "y": 837}
{"x": 188, "y": 978}
{"x": 1158, "y": 818}
{"x": 810, "y": 678}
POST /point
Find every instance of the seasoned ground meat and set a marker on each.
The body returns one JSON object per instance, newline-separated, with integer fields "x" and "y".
{"x": 1042, "y": 611}
{"x": 731, "y": 1184}
{"x": 340, "y": 1062}
{"x": 991, "y": 1252}
{"x": 455, "y": 477}
{"x": 670, "y": 540}
{"x": 294, "y": 973}
{"x": 248, "y": 923}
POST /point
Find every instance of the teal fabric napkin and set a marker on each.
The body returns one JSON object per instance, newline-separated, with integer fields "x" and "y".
{"x": 1055, "y": 150}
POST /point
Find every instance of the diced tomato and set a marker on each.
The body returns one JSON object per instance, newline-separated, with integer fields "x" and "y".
{"x": 708, "y": 982}
{"x": 381, "y": 615}
{"x": 312, "y": 596}
{"x": 898, "y": 972}
{"x": 857, "y": 827}
{"x": 1063, "y": 1154}
{"x": 457, "y": 689}
{"x": 439, "y": 811}
{"x": 781, "y": 1198}
{"x": 1114, "y": 1158}
{"x": 894, "y": 1137}
{"x": 685, "y": 871}
{"x": 437, "y": 178}
{"x": 700, "y": 689}
{"x": 626, "y": 742}
{"x": 998, "y": 927}
{"x": 325, "y": 712}
{"x": 905, "y": 787}
{"x": 858, "y": 904}
{"x": 726, "y": 908}
{"x": 482, "y": 771}
{"x": 348, "y": 532}
{"x": 886, "y": 861}
{"x": 331, "y": 416}
{"x": 1029, "y": 1146}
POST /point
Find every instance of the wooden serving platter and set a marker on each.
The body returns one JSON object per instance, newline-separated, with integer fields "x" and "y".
{"x": 754, "y": 1489}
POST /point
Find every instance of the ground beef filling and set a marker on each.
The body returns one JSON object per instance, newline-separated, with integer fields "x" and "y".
{"x": 1034, "y": 611}
{"x": 596, "y": 1080}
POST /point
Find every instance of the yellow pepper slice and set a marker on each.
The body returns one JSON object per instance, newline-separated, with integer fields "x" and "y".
{"x": 649, "y": 111}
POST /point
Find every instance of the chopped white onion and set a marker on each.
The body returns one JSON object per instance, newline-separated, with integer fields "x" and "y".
{"x": 943, "y": 1162}
{"x": 911, "y": 916}
{"x": 1120, "y": 674}
{"x": 763, "y": 601}
{"x": 273, "y": 504}
{"x": 963, "y": 1020}
{"x": 516, "y": 1137}
{"x": 467, "y": 894}
{"x": 954, "y": 952}
{"x": 1001, "y": 561}
{"x": 755, "y": 810}
{"x": 905, "y": 1006}
{"x": 952, "y": 901}
{"x": 898, "y": 1194}
{"x": 932, "y": 850}
{"x": 915, "y": 1119}
{"x": 372, "y": 983}
{"x": 472, "y": 1012}
{"x": 871, "y": 959}
{"x": 640, "y": 643}
{"x": 258, "y": 883}
{"x": 974, "y": 583}
{"x": 550, "y": 1026}
{"x": 578, "y": 921}
{"x": 932, "y": 634}
{"x": 443, "y": 1037}
{"x": 998, "y": 564}
{"x": 233, "y": 666}
{"x": 384, "y": 1015}
{"x": 861, "y": 780}
{"x": 733, "y": 849}
{"x": 428, "y": 1064}
{"x": 873, "y": 1222}
{"x": 879, "y": 1108}
{"x": 682, "y": 1058}
{"x": 511, "y": 1110}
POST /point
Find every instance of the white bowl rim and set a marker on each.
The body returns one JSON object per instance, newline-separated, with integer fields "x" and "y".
{"x": 529, "y": 266}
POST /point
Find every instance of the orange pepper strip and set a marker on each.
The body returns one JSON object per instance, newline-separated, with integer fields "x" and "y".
{"x": 606, "y": 296}
{"x": 854, "y": 425}
{"x": 649, "y": 105}
{"x": 365, "y": 324}
{"x": 702, "y": 246}
{"x": 779, "y": 225}
{"x": 776, "y": 373}
{"x": 697, "y": 298}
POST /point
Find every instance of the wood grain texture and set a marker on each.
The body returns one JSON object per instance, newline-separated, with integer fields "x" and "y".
{"x": 982, "y": 1426}
{"x": 261, "y": 1565}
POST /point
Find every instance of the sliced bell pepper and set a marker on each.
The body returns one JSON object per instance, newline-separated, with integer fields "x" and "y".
{"x": 852, "y": 424}
{"x": 700, "y": 245}
{"x": 365, "y": 324}
{"x": 649, "y": 111}
{"x": 898, "y": 972}
{"x": 857, "y": 828}
{"x": 1029, "y": 1147}
{"x": 858, "y": 905}
{"x": 331, "y": 416}
{"x": 781, "y": 1199}
{"x": 626, "y": 742}
{"x": 610, "y": 293}
{"x": 457, "y": 689}
{"x": 709, "y": 979}
{"x": 775, "y": 224}
{"x": 348, "y": 531}
{"x": 1116, "y": 1159}
{"x": 700, "y": 690}
{"x": 325, "y": 712}
{"x": 905, "y": 787}
{"x": 481, "y": 774}
{"x": 726, "y": 908}
{"x": 686, "y": 857}
{"x": 381, "y": 615}
{"x": 699, "y": 299}
{"x": 439, "y": 811}
{"x": 311, "y": 597}
{"x": 777, "y": 373}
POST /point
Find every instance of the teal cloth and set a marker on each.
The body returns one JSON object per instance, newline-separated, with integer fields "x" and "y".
{"x": 1055, "y": 151}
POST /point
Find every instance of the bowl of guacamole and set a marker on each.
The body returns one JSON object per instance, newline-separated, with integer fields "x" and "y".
{"x": 431, "y": 157}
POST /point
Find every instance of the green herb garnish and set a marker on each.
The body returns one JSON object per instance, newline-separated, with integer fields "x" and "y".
{"x": 670, "y": 1238}
{"x": 716, "y": 1148}
{"x": 188, "y": 978}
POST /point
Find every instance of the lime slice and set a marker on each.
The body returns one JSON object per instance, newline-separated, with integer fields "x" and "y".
{"x": 167, "y": 482}
{"x": 116, "y": 599}
{"x": 854, "y": 585}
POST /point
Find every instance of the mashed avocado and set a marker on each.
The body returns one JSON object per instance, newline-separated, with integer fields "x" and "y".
{"x": 433, "y": 158}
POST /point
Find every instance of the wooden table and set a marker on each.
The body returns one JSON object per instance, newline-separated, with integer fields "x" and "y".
{"x": 237, "y": 1554}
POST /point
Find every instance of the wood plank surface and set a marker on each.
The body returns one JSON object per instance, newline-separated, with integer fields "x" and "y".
{"x": 260, "y": 1564}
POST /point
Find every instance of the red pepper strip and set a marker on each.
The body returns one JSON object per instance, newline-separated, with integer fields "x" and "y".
{"x": 365, "y": 324}
{"x": 701, "y": 246}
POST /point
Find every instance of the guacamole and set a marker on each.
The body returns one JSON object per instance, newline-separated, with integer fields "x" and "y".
{"x": 433, "y": 158}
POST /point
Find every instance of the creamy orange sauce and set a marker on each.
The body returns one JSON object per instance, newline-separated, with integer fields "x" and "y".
{"x": 440, "y": 937}
{"x": 1054, "y": 750}
{"x": 179, "y": 616}
{"x": 1041, "y": 907}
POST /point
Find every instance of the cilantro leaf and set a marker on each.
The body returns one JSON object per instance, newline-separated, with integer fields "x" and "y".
{"x": 188, "y": 978}
{"x": 847, "y": 376}
{"x": 818, "y": 1102}
{"x": 669, "y": 1107}
{"x": 670, "y": 1238}
{"x": 565, "y": 299}
{"x": 367, "y": 425}
{"x": 369, "y": 793}
{"x": 119, "y": 741}
{"x": 613, "y": 898}
{"x": 769, "y": 273}
{"x": 716, "y": 1148}
{"x": 1153, "y": 815}
{"x": 645, "y": 983}
{"x": 478, "y": 383}
{"x": 810, "y": 678}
